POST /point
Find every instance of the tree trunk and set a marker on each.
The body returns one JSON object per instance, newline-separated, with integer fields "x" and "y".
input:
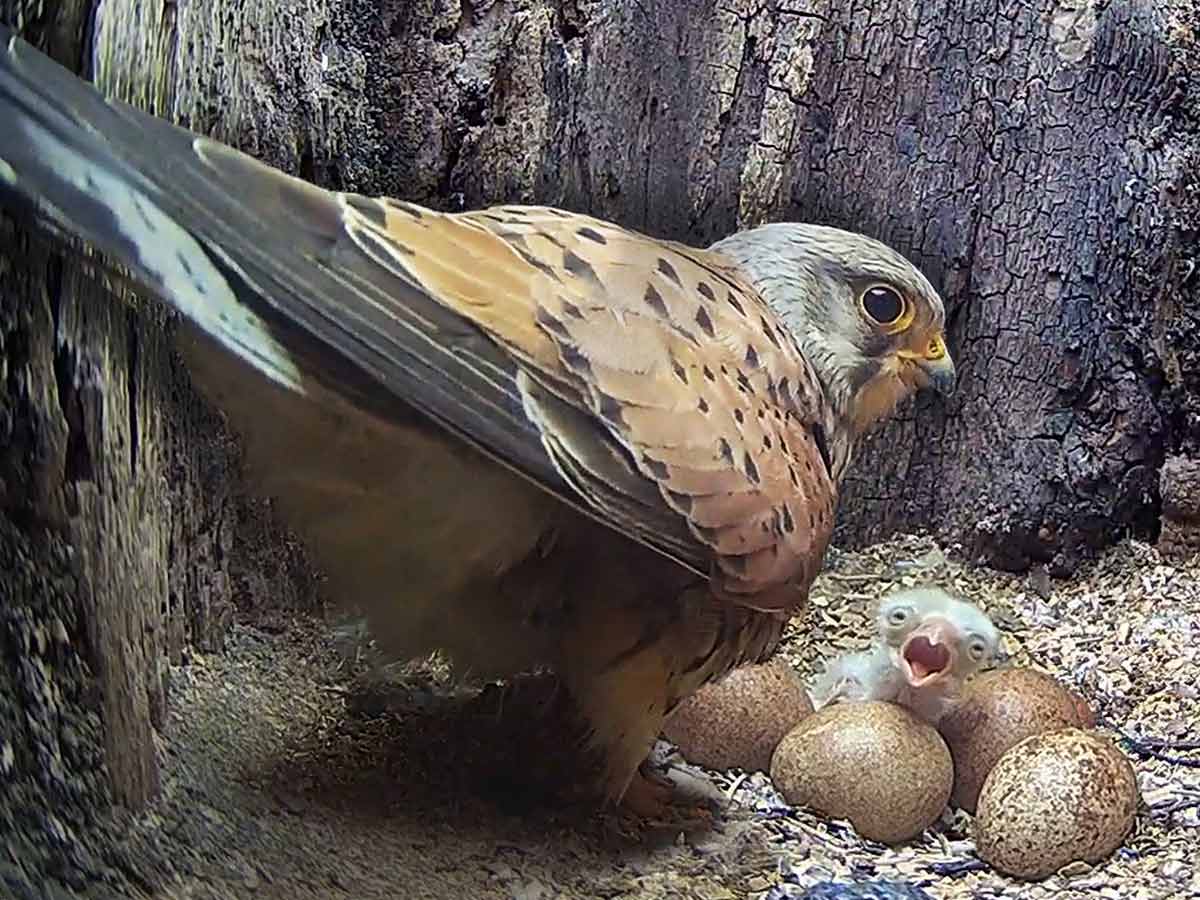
{"x": 1038, "y": 164}
{"x": 124, "y": 541}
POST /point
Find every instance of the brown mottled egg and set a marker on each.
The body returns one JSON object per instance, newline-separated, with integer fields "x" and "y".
{"x": 738, "y": 721}
{"x": 873, "y": 763}
{"x": 1053, "y": 799}
{"x": 998, "y": 709}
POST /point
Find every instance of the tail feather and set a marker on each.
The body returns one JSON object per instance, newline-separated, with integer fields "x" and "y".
{"x": 254, "y": 258}
{"x": 73, "y": 176}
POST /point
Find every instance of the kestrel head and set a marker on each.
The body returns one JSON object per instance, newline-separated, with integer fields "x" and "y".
{"x": 935, "y": 639}
{"x": 867, "y": 320}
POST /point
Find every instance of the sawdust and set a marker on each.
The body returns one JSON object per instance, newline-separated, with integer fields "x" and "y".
{"x": 290, "y": 774}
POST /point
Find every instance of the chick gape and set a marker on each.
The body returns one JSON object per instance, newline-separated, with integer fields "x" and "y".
{"x": 928, "y": 653}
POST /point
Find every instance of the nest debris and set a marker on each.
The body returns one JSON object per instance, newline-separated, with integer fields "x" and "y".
{"x": 283, "y": 778}
{"x": 1125, "y": 634}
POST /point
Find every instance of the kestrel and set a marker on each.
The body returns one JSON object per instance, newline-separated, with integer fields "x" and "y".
{"x": 928, "y": 644}
{"x": 525, "y": 437}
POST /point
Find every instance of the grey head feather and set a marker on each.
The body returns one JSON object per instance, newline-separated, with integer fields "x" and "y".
{"x": 811, "y": 275}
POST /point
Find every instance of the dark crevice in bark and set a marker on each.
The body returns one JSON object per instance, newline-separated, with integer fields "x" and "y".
{"x": 131, "y": 394}
{"x": 79, "y": 464}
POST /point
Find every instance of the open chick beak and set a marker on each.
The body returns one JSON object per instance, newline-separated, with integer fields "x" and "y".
{"x": 936, "y": 365}
{"x": 928, "y": 654}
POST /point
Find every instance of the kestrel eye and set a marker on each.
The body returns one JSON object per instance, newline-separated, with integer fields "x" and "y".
{"x": 898, "y": 616}
{"x": 883, "y": 304}
{"x": 977, "y": 649}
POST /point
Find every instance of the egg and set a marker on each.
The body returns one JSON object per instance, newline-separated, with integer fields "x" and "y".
{"x": 997, "y": 710}
{"x": 1053, "y": 799}
{"x": 738, "y": 721}
{"x": 873, "y": 763}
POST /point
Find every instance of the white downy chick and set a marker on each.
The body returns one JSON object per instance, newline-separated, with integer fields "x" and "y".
{"x": 928, "y": 644}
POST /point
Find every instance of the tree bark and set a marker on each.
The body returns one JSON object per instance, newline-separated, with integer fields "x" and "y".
{"x": 1038, "y": 162}
{"x": 124, "y": 542}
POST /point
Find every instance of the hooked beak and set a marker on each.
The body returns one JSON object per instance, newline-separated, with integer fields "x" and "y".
{"x": 928, "y": 654}
{"x": 936, "y": 365}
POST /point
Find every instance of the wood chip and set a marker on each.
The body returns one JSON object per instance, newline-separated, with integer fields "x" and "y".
{"x": 1125, "y": 634}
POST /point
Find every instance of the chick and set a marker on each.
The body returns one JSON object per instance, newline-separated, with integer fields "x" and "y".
{"x": 928, "y": 644}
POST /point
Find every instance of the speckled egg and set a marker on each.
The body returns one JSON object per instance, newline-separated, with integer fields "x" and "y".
{"x": 738, "y": 721}
{"x": 1053, "y": 799}
{"x": 998, "y": 709}
{"x": 873, "y": 763}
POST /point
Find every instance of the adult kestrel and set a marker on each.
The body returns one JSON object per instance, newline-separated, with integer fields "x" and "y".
{"x": 526, "y": 437}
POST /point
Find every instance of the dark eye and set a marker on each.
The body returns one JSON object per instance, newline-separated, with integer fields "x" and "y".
{"x": 883, "y": 304}
{"x": 977, "y": 648}
{"x": 898, "y": 616}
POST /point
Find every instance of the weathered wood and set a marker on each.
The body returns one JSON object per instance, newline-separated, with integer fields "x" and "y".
{"x": 1179, "y": 483}
{"x": 122, "y": 544}
{"x": 1042, "y": 170}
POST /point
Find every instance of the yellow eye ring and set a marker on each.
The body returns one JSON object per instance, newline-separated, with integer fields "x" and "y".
{"x": 886, "y": 307}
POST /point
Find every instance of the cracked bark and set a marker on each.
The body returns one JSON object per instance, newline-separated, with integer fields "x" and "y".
{"x": 1039, "y": 164}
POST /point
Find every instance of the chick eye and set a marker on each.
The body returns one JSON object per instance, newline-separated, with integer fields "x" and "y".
{"x": 977, "y": 648}
{"x": 897, "y": 616}
{"x": 883, "y": 304}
